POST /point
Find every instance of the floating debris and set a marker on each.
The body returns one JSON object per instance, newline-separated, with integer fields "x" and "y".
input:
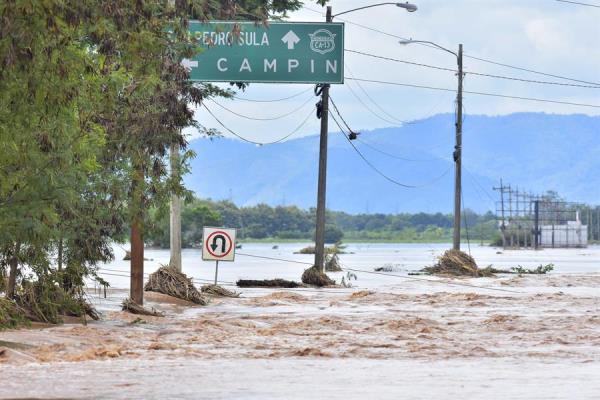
{"x": 274, "y": 283}
{"x": 457, "y": 263}
{"x": 135, "y": 308}
{"x": 171, "y": 282}
{"x": 540, "y": 270}
{"x": 314, "y": 276}
{"x": 218, "y": 291}
{"x": 332, "y": 263}
{"x": 335, "y": 249}
{"x": 127, "y": 256}
{"x": 388, "y": 268}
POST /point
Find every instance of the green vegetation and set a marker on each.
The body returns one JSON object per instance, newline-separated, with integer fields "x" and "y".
{"x": 290, "y": 223}
{"x": 539, "y": 270}
{"x": 92, "y": 96}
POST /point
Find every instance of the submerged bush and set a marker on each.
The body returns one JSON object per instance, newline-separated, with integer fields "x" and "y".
{"x": 11, "y": 315}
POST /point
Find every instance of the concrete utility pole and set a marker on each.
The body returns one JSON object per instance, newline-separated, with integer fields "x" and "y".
{"x": 175, "y": 225}
{"x": 458, "y": 153}
{"x": 322, "y": 185}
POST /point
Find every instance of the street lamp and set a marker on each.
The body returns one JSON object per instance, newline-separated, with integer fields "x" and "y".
{"x": 324, "y": 107}
{"x": 408, "y": 6}
{"x": 458, "y": 146}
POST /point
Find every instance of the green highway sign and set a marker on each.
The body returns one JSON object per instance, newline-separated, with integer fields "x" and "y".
{"x": 282, "y": 52}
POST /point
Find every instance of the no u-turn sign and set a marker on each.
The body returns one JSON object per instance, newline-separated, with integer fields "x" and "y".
{"x": 218, "y": 244}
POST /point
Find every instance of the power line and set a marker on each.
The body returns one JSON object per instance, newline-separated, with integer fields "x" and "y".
{"x": 596, "y": 84}
{"x": 465, "y": 55}
{"x": 372, "y": 100}
{"x": 578, "y": 3}
{"x": 360, "y": 100}
{"x": 264, "y": 119}
{"x": 252, "y": 141}
{"x": 411, "y": 278}
{"x": 373, "y": 167}
{"x": 511, "y": 78}
{"x": 395, "y": 156}
{"x": 476, "y": 93}
{"x": 273, "y": 100}
{"x": 362, "y": 53}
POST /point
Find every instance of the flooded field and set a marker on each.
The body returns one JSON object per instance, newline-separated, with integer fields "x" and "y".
{"x": 389, "y": 336}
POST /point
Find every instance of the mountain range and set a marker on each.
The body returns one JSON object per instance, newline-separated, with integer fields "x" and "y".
{"x": 535, "y": 152}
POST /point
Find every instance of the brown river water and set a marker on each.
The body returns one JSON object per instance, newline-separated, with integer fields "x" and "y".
{"x": 520, "y": 337}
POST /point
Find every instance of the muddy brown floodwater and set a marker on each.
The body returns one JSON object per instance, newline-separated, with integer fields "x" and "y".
{"x": 519, "y": 337}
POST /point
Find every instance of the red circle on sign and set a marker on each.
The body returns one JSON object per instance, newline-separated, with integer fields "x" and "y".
{"x": 208, "y": 246}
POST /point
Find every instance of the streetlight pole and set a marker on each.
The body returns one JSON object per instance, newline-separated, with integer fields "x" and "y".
{"x": 322, "y": 184}
{"x": 457, "y": 154}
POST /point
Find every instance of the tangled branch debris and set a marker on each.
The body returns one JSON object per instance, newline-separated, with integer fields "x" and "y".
{"x": 539, "y": 270}
{"x": 11, "y": 315}
{"x": 332, "y": 263}
{"x": 135, "y": 308}
{"x": 335, "y": 249}
{"x": 457, "y": 263}
{"x": 273, "y": 283}
{"x": 314, "y": 276}
{"x": 218, "y": 291}
{"x": 171, "y": 282}
{"x": 45, "y": 302}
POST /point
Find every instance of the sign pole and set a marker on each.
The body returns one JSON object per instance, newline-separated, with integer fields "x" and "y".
{"x": 322, "y": 185}
{"x": 216, "y": 271}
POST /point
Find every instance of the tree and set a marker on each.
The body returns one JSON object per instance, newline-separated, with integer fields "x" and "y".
{"x": 333, "y": 234}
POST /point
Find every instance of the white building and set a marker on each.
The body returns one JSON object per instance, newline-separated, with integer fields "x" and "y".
{"x": 572, "y": 234}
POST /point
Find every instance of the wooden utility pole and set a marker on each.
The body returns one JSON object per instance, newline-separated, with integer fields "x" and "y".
{"x": 175, "y": 222}
{"x": 136, "y": 287}
{"x": 458, "y": 152}
{"x": 322, "y": 185}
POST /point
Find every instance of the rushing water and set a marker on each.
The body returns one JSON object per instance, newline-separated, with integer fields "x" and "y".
{"x": 509, "y": 337}
{"x": 359, "y": 256}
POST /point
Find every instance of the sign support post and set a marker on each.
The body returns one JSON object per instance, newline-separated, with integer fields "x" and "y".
{"x": 322, "y": 185}
{"x": 216, "y": 270}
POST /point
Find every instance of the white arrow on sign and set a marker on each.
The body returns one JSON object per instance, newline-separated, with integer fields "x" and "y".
{"x": 189, "y": 64}
{"x": 291, "y": 39}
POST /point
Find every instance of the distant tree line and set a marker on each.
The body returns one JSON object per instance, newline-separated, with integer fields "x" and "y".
{"x": 292, "y": 223}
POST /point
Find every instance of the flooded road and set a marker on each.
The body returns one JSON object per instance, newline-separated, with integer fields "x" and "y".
{"x": 390, "y": 336}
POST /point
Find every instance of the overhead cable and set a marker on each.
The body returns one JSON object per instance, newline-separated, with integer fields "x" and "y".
{"x": 264, "y": 119}
{"x": 410, "y": 278}
{"x": 511, "y": 78}
{"x": 371, "y": 165}
{"x": 476, "y": 93}
{"x": 372, "y": 101}
{"x": 255, "y": 142}
{"x": 273, "y": 100}
{"x": 578, "y": 3}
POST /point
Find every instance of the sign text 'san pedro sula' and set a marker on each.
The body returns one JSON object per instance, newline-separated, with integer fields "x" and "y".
{"x": 295, "y": 52}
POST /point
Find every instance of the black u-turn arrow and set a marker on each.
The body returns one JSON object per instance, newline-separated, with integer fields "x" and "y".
{"x": 214, "y": 244}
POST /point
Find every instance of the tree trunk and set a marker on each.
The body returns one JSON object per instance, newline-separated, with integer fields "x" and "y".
{"x": 60, "y": 254}
{"x": 12, "y": 277}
